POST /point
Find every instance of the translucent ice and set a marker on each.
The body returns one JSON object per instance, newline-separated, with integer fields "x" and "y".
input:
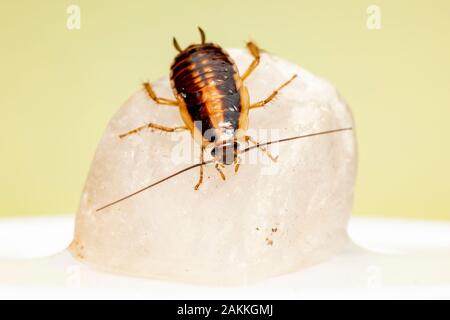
{"x": 265, "y": 220}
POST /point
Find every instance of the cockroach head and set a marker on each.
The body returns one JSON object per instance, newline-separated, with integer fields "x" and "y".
{"x": 226, "y": 152}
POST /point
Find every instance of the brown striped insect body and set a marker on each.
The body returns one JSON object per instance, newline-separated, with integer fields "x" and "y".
{"x": 214, "y": 105}
{"x": 213, "y": 101}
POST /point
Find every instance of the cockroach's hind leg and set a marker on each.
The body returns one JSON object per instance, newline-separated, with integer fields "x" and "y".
{"x": 200, "y": 178}
{"x": 262, "y": 103}
{"x": 263, "y": 149}
{"x": 255, "y": 52}
{"x": 154, "y": 97}
{"x": 153, "y": 126}
{"x": 219, "y": 169}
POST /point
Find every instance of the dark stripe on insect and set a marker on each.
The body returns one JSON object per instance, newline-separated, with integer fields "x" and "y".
{"x": 194, "y": 70}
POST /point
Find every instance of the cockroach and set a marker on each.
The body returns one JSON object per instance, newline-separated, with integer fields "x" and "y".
{"x": 213, "y": 100}
{"x": 214, "y": 105}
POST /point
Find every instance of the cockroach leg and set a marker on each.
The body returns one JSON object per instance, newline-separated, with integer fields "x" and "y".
{"x": 255, "y": 52}
{"x": 273, "y": 95}
{"x": 200, "y": 178}
{"x": 260, "y": 147}
{"x": 154, "y": 97}
{"x": 153, "y": 126}
{"x": 218, "y": 168}
{"x": 237, "y": 164}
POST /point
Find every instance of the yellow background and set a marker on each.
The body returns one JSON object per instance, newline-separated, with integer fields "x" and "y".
{"x": 59, "y": 88}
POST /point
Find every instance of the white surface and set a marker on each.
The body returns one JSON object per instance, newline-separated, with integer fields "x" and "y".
{"x": 408, "y": 259}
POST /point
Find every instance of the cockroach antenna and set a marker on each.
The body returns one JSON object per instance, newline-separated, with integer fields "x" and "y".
{"x": 258, "y": 145}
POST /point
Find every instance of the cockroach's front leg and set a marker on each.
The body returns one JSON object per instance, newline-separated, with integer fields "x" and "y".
{"x": 200, "y": 178}
{"x": 237, "y": 163}
{"x": 153, "y": 126}
{"x": 219, "y": 167}
{"x": 255, "y": 52}
{"x": 264, "y": 150}
{"x": 154, "y": 97}
{"x": 273, "y": 95}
